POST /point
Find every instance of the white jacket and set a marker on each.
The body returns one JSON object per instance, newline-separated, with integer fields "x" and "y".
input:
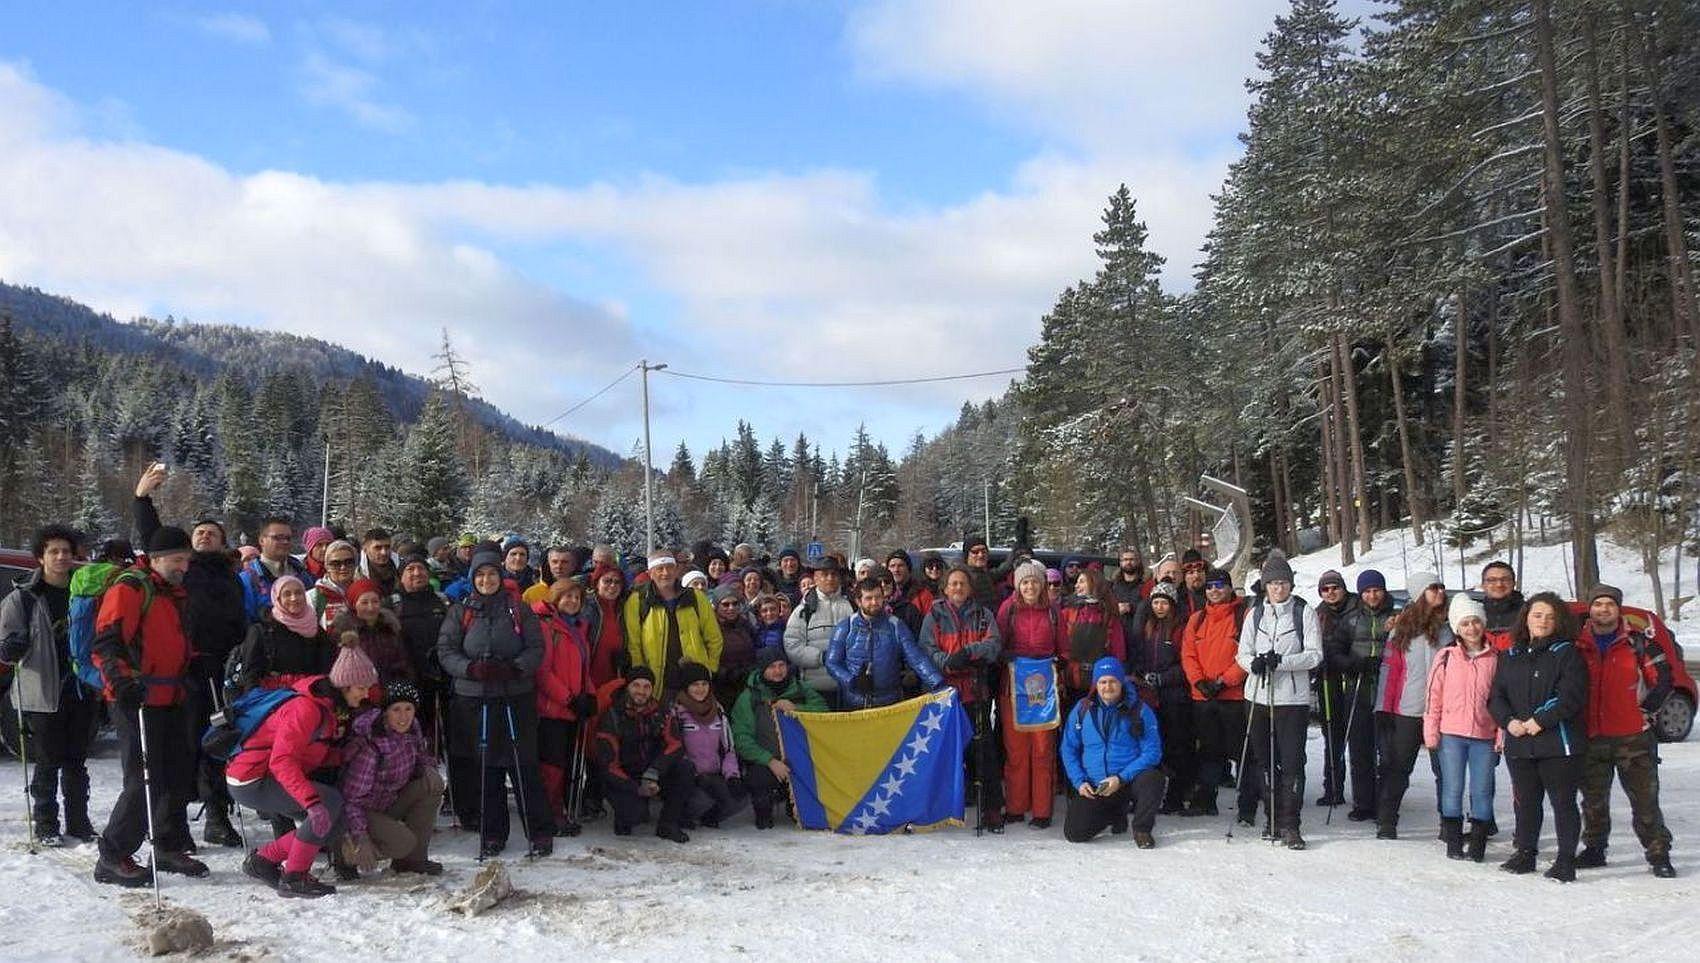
{"x": 807, "y": 636}
{"x": 1272, "y": 627}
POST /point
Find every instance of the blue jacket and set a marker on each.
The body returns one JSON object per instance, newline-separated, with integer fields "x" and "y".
{"x": 889, "y": 646}
{"x": 1098, "y": 741}
{"x": 257, "y": 584}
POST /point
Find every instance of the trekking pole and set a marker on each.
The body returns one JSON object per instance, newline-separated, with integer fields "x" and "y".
{"x": 1245, "y": 746}
{"x": 979, "y": 774}
{"x": 1328, "y": 751}
{"x": 519, "y": 777}
{"x": 147, "y": 800}
{"x": 241, "y": 824}
{"x": 442, "y": 756}
{"x": 575, "y": 788}
{"x": 483, "y": 759}
{"x": 1269, "y": 776}
{"x": 1351, "y": 715}
{"x": 24, "y": 757}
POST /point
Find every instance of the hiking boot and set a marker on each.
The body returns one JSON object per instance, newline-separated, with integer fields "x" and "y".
{"x": 182, "y": 864}
{"x": 1040, "y": 822}
{"x": 1478, "y": 842}
{"x": 1452, "y": 830}
{"x": 1521, "y": 863}
{"x": 302, "y": 886}
{"x": 1361, "y": 815}
{"x": 1563, "y": 869}
{"x": 1293, "y": 840}
{"x": 764, "y": 819}
{"x": 674, "y": 833}
{"x": 1204, "y": 807}
{"x": 622, "y": 829}
{"x": 1119, "y": 826}
{"x": 1014, "y": 818}
{"x": 80, "y": 830}
{"x": 1331, "y": 799}
{"x": 48, "y": 837}
{"x": 262, "y": 869}
{"x": 423, "y": 867}
{"x": 1660, "y": 866}
{"x": 1591, "y": 857}
{"x": 344, "y": 871}
{"x": 124, "y": 872}
{"x": 1144, "y": 841}
{"x": 542, "y": 844}
{"x": 491, "y": 847}
{"x": 1385, "y": 831}
{"x": 218, "y": 831}
{"x": 567, "y": 827}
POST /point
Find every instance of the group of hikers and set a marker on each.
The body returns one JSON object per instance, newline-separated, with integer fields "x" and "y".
{"x": 353, "y": 691}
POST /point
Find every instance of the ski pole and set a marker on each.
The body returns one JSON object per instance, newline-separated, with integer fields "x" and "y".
{"x": 483, "y": 781}
{"x": 1328, "y": 748}
{"x": 1269, "y": 776}
{"x": 24, "y": 757}
{"x": 147, "y": 799}
{"x": 241, "y": 824}
{"x": 1245, "y": 746}
{"x": 575, "y": 786}
{"x": 519, "y": 774}
{"x": 442, "y": 756}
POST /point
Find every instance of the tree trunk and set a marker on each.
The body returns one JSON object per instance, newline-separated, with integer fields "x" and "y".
{"x": 1460, "y": 374}
{"x": 1413, "y": 500}
{"x": 1349, "y": 377}
{"x": 1676, "y": 245}
{"x": 1328, "y": 475}
{"x": 1610, "y": 322}
{"x": 1577, "y": 422}
{"x": 1342, "y": 461}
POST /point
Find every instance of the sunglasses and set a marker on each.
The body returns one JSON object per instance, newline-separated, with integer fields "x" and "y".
{"x": 1195, "y": 567}
{"x": 339, "y": 563}
{"x": 1216, "y": 585}
{"x": 1332, "y": 588}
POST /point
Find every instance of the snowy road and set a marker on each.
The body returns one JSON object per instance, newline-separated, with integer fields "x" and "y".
{"x": 736, "y": 893}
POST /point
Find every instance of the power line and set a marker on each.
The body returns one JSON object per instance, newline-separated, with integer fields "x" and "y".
{"x": 841, "y": 384}
{"x": 604, "y": 390}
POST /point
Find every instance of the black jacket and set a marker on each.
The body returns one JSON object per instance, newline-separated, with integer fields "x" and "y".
{"x": 1160, "y": 653}
{"x": 214, "y": 615}
{"x": 272, "y": 649}
{"x": 633, "y": 744}
{"x": 421, "y": 614}
{"x": 1357, "y": 639}
{"x": 1548, "y": 681}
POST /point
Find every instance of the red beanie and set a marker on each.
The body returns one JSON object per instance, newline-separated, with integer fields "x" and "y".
{"x": 361, "y": 587}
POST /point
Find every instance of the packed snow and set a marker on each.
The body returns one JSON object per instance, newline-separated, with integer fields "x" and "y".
{"x": 787, "y": 893}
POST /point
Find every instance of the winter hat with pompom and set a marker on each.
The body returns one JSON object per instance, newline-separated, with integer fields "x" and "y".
{"x": 352, "y": 667}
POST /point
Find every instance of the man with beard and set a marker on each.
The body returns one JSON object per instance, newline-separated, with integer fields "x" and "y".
{"x": 789, "y": 578}
{"x": 1354, "y": 650}
{"x": 376, "y": 562}
{"x": 215, "y": 620}
{"x": 910, "y": 601}
{"x": 1337, "y": 607}
{"x": 1502, "y": 602}
{"x": 1130, "y": 588}
{"x": 1191, "y": 587}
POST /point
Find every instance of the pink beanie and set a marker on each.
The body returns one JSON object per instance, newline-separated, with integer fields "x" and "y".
{"x": 352, "y": 667}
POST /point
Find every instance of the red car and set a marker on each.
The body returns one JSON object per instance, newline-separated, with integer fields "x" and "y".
{"x": 1675, "y": 718}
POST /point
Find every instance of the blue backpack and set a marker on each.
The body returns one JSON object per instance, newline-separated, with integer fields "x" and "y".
{"x": 241, "y": 719}
{"x": 88, "y": 584}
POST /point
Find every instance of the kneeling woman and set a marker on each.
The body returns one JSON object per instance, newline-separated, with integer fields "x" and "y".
{"x": 270, "y": 774}
{"x": 1110, "y": 750}
{"x": 390, "y": 787}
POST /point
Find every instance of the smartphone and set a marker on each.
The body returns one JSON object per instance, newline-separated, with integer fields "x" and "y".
{"x": 1103, "y": 788}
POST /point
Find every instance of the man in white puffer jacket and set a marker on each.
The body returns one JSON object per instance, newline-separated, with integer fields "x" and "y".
{"x": 1280, "y": 645}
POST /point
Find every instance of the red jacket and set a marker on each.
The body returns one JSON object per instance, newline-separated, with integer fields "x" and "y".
{"x": 562, "y": 677}
{"x": 293, "y": 741}
{"x": 1115, "y": 644}
{"x": 610, "y": 642}
{"x": 1030, "y": 631}
{"x": 1620, "y": 681}
{"x": 128, "y": 643}
{"x": 1209, "y": 647}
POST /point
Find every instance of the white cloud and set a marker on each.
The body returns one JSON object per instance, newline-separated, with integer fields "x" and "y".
{"x": 1125, "y": 75}
{"x": 238, "y": 27}
{"x": 327, "y": 83}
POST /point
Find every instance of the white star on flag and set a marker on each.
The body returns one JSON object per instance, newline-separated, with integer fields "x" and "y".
{"x": 907, "y": 766}
{"x": 893, "y": 785}
{"x": 933, "y": 722}
{"x": 920, "y": 743}
{"x": 881, "y": 805}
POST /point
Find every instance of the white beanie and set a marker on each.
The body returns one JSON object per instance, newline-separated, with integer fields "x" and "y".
{"x": 694, "y": 577}
{"x": 1027, "y": 570}
{"x": 1464, "y": 607}
{"x": 1420, "y": 581}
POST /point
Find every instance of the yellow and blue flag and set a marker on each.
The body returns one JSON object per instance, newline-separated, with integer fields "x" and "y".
{"x": 878, "y": 770}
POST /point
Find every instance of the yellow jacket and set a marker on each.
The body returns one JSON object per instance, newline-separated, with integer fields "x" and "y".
{"x": 645, "y": 619}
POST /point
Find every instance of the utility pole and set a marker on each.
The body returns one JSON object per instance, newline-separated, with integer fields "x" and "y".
{"x": 325, "y": 498}
{"x": 856, "y": 536}
{"x": 988, "y": 503}
{"x": 648, "y": 465}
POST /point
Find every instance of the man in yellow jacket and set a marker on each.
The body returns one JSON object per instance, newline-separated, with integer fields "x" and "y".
{"x": 667, "y": 625}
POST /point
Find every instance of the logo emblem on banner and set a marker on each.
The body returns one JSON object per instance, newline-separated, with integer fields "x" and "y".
{"x": 1033, "y": 693}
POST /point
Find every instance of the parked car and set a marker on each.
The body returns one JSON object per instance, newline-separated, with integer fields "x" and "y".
{"x": 1675, "y": 719}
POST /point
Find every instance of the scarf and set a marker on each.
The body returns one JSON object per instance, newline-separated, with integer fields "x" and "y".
{"x": 704, "y": 711}
{"x": 305, "y": 624}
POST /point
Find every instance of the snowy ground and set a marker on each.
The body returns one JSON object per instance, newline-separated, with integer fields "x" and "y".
{"x": 946, "y": 895}
{"x": 1545, "y": 567}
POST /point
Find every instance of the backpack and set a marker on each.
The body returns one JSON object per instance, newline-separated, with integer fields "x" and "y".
{"x": 240, "y": 719}
{"x": 88, "y": 584}
{"x": 1298, "y": 619}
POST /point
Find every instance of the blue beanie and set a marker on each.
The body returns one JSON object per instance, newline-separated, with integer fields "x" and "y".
{"x": 1109, "y": 665}
{"x": 1370, "y": 578}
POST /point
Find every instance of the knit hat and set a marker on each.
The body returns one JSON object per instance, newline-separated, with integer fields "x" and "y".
{"x": 972, "y": 542}
{"x": 656, "y": 561}
{"x": 352, "y": 667}
{"x": 931, "y": 558}
{"x": 1191, "y": 556}
{"x": 1027, "y": 570}
{"x": 1217, "y": 575}
{"x": 1371, "y": 578}
{"x": 724, "y": 592}
{"x": 1165, "y": 590}
{"x": 1053, "y": 576}
{"x": 1462, "y": 607}
{"x": 1419, "y": 581}
{"x": 436, "y": 543}
{"x": 1110, "y": 666}
{"x": 899, "y": 553}
{"x": 481, "y": 559}
{"x": 414, "y": 559}
{"x": 1073, "y": 560}
{"x": 865, "y": 563}
{"x": 690, "y": 672}
{"x": 361, "y": 587}
{"x": 769, "y": 654}
{"x": 168, "y": 540}
{"x": 636, "y": 672}
{"x": 1605, "y": 591}
{"x": 694, "y": 578}
{"x": 340, "y": 544}
{"x": 1276, "y": 567}
{"x": 789, "y": 552}
{"x": 1331, "y": 577}
{"x": 466, "y": 541}
{"x": 316, "y": 536}
{"x": 401, "y": 691}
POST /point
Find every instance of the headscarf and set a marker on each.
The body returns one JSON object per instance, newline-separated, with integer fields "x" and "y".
{"x": 306, "y": 624}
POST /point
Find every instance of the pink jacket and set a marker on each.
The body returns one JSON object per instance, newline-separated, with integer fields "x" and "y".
{"x": 1458, "y": 688}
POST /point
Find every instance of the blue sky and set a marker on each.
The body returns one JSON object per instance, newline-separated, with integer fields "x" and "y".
{"x": 777, "y": 190}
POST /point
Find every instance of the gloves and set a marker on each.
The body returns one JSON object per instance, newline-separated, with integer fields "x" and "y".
{"x": 479, "y": 670}
{"x": 493, "y": 670}
{"x": 1271, "y": 661}
{"x": 1259, "y": 664}
{"x": 131, "y": 692}
{"x": 1208, "y": 688}
{"x": 735, "y": 786}
{"x": 1152, "y": 679}
{"x": 584, "y": 705}
{"x": 359, "y": 852}
{"x": 14, "y": 649}
{"x": 864, "y": 683}
{"x": 319, "y": 820}
{"x": 958, "y": 660}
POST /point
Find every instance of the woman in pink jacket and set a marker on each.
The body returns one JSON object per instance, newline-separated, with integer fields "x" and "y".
{"x": 1029, "y": 624}
{"x": 1457, "y": 724}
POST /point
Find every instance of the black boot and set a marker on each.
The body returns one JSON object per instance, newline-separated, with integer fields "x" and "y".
{"x": 1591, "y": 857}
{"x": 1660, "y": 866}
{"x": 1478, "y": 841}
{"x": 1563, "y": 869}
{"x": 182, "y": 864}
{"x": 121, "y": 871}
{"x": 1521, "y": 863}
{"x": 218, "y": 831}
{"x": 302, "y": 886}
{"x": 764, "y": 818}
{"x": 674, "y": 833}
{"x": 1452, "y": 830}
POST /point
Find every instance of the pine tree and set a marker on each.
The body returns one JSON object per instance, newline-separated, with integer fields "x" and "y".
{"x": 93, "y": 517}
{"x": 432, "y": 495}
